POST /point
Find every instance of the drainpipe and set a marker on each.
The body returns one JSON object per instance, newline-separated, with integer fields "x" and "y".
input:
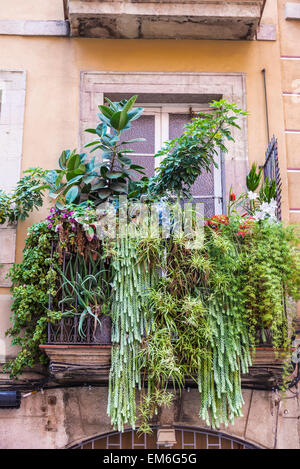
{"x": 266, "y": 104}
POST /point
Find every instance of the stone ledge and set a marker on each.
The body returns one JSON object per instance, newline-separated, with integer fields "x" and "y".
{"x": 79, "y": 363}
{"x": 195, "y": 19}
{"x": 84, "y": 363}
{"x": 78, "y": 355}
{"x": 292, "y": 11}
{"x": 34, "y": 28}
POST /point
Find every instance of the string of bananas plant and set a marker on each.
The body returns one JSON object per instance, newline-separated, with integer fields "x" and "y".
{"x": 132, "y": 278}
{"x": 202, "y": 326}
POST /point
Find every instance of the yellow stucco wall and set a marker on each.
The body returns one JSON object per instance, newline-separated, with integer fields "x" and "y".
{"x": 53, "y": 67}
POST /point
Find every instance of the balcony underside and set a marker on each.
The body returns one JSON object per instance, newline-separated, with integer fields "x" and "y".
{"x": 167, "y": 19}
{"x": 91, "y": 364}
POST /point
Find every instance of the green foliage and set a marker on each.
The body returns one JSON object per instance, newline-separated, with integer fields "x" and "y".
{"x": 268, "y": 191}
{"x": 272, "y": 274}
{"x": 205, "y": 313}
{"x": 86, "y": 289}
{"x": 33, "y": 279}
{"x": 80, "y": 179}
{"x": 253, "y": 179}
{"x": 186, "y": 157}
{"x": 131, "y": 280}
{"x": 72, "y": 182}
{"x": 197, "y": 329}
{"x": 177, "y": 312}
{"x": 26, "y": 197}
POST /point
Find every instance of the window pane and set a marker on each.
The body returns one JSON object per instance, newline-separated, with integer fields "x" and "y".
{"x": 144, "y": 127}
{"x": 177, "y": 123}
{"x": 147, "y": 162}
{"x": 204, "y": 184}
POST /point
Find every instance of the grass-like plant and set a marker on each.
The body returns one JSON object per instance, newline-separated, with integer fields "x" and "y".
{"x": 85, "y": 289}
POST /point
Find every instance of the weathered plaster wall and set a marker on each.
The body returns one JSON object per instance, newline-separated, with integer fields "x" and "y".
{"x": 60, "y": 418}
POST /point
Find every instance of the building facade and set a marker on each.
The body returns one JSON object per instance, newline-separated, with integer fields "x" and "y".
{"x": 58, "y": 61}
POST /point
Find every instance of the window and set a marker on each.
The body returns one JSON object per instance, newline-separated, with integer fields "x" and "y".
{"x": 186, "y": 438}
{"x": 173, "y": 89}
{"x": 160, "y": 123}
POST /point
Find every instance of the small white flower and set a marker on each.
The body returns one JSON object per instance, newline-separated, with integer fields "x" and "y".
{"x": 258, "y": 215}
{"x": 273, "y": 203}
{"x": 252, "y": 195}
{"x": 269, "y": 209}
{"x": 272, "y": 220}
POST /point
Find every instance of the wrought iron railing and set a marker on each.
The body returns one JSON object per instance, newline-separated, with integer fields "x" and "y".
{"x": 271, "y": 171}
{"x": 67, "y": 330}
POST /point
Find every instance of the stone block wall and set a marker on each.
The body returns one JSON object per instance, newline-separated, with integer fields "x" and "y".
{"x": 60, "y": 418}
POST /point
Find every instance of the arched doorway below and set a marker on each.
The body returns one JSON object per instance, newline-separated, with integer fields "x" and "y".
{"x": 186, "y": 438}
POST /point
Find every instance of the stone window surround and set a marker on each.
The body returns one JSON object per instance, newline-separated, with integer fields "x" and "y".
{"x": 231, "y": 86}
{"x": 12, "y": 85}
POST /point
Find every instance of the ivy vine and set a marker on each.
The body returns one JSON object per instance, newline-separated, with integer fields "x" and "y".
{"x": 33, "y": 280}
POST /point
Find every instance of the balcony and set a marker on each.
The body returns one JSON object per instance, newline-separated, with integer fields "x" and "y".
{"x": 164, "y": 19}
{"x": 87, "y": 359}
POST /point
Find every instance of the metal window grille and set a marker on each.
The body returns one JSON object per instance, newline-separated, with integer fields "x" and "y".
{"x": 187, "y": 438}
{"x": 272, "y": 171}
{"x": 66, "y": 330}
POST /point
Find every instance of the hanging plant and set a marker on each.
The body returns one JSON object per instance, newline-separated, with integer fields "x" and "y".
{"x": 207, "y": 309}
{"x": 33, "y": 280}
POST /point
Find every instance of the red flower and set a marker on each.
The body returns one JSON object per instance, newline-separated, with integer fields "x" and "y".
{"x": 232, "y": 197}
{"x": 216, "y": 220}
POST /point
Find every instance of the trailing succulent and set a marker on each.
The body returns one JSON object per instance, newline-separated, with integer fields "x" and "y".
{"x": 207, "y": 309}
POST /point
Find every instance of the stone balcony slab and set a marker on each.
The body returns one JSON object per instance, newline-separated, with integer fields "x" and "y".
{"x": 91, "y": 364}
{"x": 165, "y": 19}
